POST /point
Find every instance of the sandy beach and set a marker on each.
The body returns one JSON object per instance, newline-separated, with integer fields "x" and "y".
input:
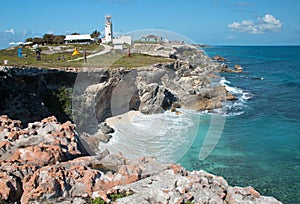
{"x": 125, "y": 118}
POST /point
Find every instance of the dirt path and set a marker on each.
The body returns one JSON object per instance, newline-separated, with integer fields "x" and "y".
{"x": 106, "y": 50}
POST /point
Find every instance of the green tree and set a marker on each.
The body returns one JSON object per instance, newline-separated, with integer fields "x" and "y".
{"x": 38, "y": 40}
{"x": 48, "y": 38}
{"x": 58, "y": 39}
{"x": 29, "y": 40}
{"x": 95, "y": 34}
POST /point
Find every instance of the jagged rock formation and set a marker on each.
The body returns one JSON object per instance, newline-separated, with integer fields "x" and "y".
{"x": 46, "y": 162}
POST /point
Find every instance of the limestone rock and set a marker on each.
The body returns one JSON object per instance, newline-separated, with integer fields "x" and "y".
{"x": 154, "y": 98}
{"x": 41, "y": 143}
{"x": 105, "y": 128}
{"x": 55, "y": 169}
{"x": 10, "y": 187}
{"x": 247, "y": 195}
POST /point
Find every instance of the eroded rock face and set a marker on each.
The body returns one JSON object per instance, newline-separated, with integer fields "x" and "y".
{"x": 41, "y": 143}
{"x": 154, "y": 98}
{"x": 153, "y": 89}
{"x": 29, "y": 93}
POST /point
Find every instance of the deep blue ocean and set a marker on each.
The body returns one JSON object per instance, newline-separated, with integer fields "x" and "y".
{"x": 260, "y": 142}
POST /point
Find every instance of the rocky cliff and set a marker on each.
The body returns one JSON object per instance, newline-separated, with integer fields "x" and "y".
{"x": 188, "y": 82}
{"x": 51, "y": 162}
{"x": 31, "y": 94}
{"x": 47, "y": 163}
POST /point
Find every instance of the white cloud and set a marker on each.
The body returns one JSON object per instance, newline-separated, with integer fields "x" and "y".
{"x": 12, "y": 31}
{"x": 10, "y": 37}
{"x": 264, "y": 24}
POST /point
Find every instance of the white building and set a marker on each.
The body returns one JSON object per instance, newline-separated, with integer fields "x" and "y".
{"x": 79, "y": 39}
{"x": 120, "y": 42}
{"x": 108, "y": 29}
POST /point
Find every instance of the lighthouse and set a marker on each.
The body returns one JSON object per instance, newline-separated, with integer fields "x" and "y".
{"x": 108, "y": 29}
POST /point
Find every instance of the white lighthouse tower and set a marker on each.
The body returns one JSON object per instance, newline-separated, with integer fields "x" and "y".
{"x": 108, "y": 29}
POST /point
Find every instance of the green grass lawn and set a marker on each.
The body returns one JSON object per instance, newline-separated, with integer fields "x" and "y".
{"x": 48, "y": 60}
{"x": 117, "y": 59}
{"x": 138, "y": 60}
{"x": 113, "y": 59}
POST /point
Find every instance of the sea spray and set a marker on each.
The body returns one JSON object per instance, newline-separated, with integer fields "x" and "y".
{"x": 166, "y": 136}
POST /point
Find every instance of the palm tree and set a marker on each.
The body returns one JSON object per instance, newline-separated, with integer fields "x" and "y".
{"x": 95, "y": 34}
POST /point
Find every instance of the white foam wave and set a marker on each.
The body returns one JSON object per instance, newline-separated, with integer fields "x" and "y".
{"x": 165, "y": 136}
{"x": 223, "y": 81}
{"x": 236, "y": 107}
{"x": 246, "y": 96}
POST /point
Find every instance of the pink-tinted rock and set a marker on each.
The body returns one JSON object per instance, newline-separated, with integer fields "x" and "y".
{"x": 6, "y": 122}
{"x": 49, "y": 120}
{"x": 5, "y": 145}
{"x": 10, "y": 187}
{"x": 46, "y": 164}
{"x": 40, "y": 155}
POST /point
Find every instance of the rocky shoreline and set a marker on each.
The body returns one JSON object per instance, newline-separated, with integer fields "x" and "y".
{"x": 47, "y": 163}
{"x": 53, "y": 162}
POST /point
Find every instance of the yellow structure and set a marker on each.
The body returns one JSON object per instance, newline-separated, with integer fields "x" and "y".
{"x": 75, "y": 52}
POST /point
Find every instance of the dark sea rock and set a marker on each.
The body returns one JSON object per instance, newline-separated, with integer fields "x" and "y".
{"x": 30, "y": 93}
{"x": 219, "y": 58}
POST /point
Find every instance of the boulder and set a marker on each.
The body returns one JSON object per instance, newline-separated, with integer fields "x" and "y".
{"x": 238, "y": 68}
{"x": 105, "y": 128}
{"x": 42, "y": 143}
{"x": 230, "y": 97}
{"x": 154, "y": 98}
{"x": 219, "y": 58}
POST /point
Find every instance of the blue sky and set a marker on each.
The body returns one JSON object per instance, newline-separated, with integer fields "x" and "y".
{"x": 214, "y": 22}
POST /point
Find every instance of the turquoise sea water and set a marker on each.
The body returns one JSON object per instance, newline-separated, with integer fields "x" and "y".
{"x": 260, "y": 143}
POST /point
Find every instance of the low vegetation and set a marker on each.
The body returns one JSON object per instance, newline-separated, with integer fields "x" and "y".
{"x": 51, "y": 56}
{"x": 113, "y": 197}
{"x": 119, "y": 59}
{"x": 138, "y": 60}
{"x": 59, "y": 102}
{"x": 61, "y": 57}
